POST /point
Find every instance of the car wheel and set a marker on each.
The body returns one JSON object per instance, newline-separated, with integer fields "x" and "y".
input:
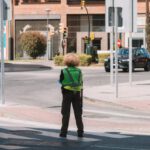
{"x": 125, "y": 69}
{"x": 107, "y": 69}
{"x": 147, "y": 67}
{"x": 133, "y": 67}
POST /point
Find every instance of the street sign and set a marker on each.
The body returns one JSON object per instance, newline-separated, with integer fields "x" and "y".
{"x": 126, "y": 15}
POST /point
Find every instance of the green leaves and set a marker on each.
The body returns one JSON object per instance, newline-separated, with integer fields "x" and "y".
{"x": 34, "y": 43}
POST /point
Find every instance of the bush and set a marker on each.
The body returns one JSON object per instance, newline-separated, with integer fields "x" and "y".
{"x": 102, "y": 56}
{"x": 58, "y": 60}
{"x": 85, "y": 60}
{"x": 33, "y": 43}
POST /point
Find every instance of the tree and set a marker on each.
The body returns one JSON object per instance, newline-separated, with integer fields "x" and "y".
{"x": 34, "y": 43}
{"x": 147, "y": 25}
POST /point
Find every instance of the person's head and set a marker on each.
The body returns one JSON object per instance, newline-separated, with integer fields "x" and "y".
{"x": 71, "y": 60}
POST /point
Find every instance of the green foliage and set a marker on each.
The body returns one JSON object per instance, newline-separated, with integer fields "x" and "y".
{"x": 102, "y": 56}
{"x": 85, "y": 60}
{"x": 58, "y": 60}
{"x": 34, "y": 43}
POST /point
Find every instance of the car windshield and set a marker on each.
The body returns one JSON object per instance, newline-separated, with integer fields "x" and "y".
{"x": 123, "y": 52}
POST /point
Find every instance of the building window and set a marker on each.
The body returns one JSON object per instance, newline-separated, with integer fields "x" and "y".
{"x": 31, "y": 1}
{"x": 73, "y": 24}
{"x": 72, "y": 2}
{"x": 16, "y": 2}
{"x": 98, "y": 23}
{"x": 79, "y": 23}
{"x": 52, "y": 1}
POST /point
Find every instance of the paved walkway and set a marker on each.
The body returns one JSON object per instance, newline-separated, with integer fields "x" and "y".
{"x": 136, "y": 95}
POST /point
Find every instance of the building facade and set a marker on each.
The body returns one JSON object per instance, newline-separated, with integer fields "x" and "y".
{"x": 36, "y": 14}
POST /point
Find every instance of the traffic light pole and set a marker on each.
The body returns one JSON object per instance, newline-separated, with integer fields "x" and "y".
{"x": 88, "y": 51}
{"x": 88, "y": 23}
{"x": 2, "y": 54}
{"x": 111, "y": 49}
{"x": 116, "y": 54}
{"x": 130, "y": 47}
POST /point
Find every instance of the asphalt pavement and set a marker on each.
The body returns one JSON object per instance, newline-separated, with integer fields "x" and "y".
{"x": 24, "y": 127}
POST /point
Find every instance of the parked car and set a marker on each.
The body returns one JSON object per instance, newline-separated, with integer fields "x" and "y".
{"x": 140, "y": 59}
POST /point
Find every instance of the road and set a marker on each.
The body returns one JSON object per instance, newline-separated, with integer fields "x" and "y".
{"x": 24, "y": 138}
{"x": 41, "y": 87}
{"x": 119, "y": 128}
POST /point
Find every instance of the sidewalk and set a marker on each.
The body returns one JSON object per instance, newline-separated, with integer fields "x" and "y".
{"x": 136, "y": 96}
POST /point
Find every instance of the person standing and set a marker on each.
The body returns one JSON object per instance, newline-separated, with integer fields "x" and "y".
{"x": 72, "y": 85}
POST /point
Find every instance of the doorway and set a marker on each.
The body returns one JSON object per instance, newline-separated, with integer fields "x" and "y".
{"x": 137, "y": 42}
{"x": 97, "y": 43}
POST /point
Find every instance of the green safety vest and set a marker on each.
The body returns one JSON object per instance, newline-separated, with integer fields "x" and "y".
{"x": 72, "y": 79}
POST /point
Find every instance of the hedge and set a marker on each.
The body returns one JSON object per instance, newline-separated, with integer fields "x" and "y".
{"x": 85, "y": 60}
{"x": 102, "y": 56}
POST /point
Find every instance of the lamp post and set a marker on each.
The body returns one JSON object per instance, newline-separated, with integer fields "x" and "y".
{"x": 48, "y": 46}
{"x": 83, "y": 5}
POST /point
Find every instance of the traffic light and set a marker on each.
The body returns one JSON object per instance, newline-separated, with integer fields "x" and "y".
{"x": 92, "y": 36}
{"x": 82, "y": 3}
{"x": 119, "y": 43}
{"x": 61, "y": 27}
{"x": 65, "y": 33}
{"x": 85, "y": 39}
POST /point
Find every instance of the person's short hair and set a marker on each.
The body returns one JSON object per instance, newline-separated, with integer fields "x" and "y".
{"x": 71, "y": 59}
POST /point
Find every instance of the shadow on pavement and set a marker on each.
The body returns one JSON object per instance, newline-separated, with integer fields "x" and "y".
{"x": 48, "y": 139}
{"x": 9, "y": 67}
